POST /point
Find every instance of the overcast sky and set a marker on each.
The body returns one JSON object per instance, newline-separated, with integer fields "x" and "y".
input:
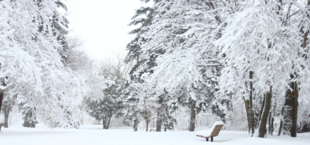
{"x": 102, "y": 24}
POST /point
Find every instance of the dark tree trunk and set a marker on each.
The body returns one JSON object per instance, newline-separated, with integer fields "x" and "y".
{"x": 158, "y": 122}
{"x": 6, "y": 118}
{"x": 106, "y": 121}
{"x": 251, "y": 105}
{"x": 261, "y": 112}
{"x": 290, "y": 110}
{"x": 193, "y": 117}
{"x": 280, "y": 128}
{"x": 250, "y": 115}
{"x": 1, "y": 95}
{"x": 295, "y": 111}
{"x": 270, "y": 124}
{"x": 246, "y": 104}
{"x": 109, "y": 120}
{"x": 1, "y": 100}
{"x": 263, "y": 123}
{"x": 294, "y": 127}
{"x": 281, "y": 122}
{"x": 135, "y": 124}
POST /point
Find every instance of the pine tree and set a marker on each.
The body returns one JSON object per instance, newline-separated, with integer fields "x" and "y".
{"x": 188, "y": 69}
{"x": 144, "y": 62}
{"x": 110, "y": 104}
{"x": 106, "y": 98}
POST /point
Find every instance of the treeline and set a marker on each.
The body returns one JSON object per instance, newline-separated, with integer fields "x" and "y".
{"x": 221, "y": 55}
{"x": 246, "y": 61}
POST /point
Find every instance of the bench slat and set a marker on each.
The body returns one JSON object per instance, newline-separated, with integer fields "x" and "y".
{"x": 203, "y": 136}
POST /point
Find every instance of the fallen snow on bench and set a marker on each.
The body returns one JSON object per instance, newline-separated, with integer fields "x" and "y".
{"x": 208, "y": 132}
{"x": 95, "y": 135}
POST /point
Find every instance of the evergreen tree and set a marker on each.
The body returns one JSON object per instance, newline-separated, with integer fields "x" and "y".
{"x": 110, "y": 104}
{"x": 144, "y": 61}
{"x": 29, "y": 116}
{"x": 189, "y": 68}
{"x": 106, "y": 98}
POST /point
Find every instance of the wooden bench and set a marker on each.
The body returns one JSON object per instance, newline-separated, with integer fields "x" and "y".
{"x": 215, "y": 132}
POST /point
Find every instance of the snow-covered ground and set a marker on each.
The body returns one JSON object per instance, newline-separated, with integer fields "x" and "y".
{"x": 95, "y": 135}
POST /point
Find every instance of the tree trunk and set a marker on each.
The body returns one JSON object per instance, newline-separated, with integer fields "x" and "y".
{"x": 280, "y": 128}
{"x": 246, "y": 104}
{"x": 158, "y": 122}
{"x": 110, "y": 117}
{"x": 290, "y": 111}
{"x": 103, "y": 123}
{"x": 263, "y": 123}
{"x": 1, "y": 99}
{"x": 6, "y": 118}
{"x": 193, "y": 117}
{"x": 135, "y": 124}
{"x": 270, "y": 124}
{"x": 107, "y": 119}
{"x": 250, "y": 115}
{"x": 1, "y": 96}
{"x": 295, "y": 111}
{"x": 147, "y": 124}
{"x": 261, "y": 112}
{"x": 251, "y": 105}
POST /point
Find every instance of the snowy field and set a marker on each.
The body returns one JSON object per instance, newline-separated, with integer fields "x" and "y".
{"x": 94, "y": 135}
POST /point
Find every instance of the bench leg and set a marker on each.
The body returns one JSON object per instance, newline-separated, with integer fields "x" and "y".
{"x": 207, "y": 139}
{"x": 211, "y": 139}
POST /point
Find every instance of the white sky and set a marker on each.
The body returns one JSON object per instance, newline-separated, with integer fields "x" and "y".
{"x": 102, "y": 25}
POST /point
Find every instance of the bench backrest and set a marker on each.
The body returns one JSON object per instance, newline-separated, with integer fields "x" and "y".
{"x": 216, "y": 130}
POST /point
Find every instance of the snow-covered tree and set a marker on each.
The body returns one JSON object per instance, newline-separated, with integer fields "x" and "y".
{"x": 261, "y": 45}
{"x": 188, "y": 66}
{"x": 6, "y": 109}
{"x": 142, "y": 62}
{"x": 105, "y": 100}
{"x": 110, "y": 104}
{"x": 30, "y": 64}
